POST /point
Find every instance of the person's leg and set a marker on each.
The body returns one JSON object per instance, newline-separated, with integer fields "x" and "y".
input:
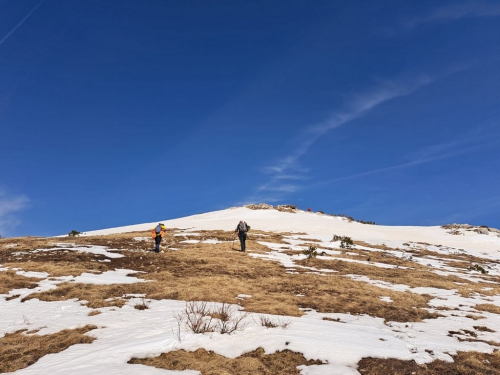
{"x": 158, "y": 240}
{"x": 243, "y": 239}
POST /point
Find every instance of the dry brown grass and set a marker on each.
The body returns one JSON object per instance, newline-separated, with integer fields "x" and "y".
{"x": 19, "y": 350}
{"x": 209, "y": 363}
{"x": 423, "y": 252}
{"x": 56, "y": 268}
{"x": 24, "y": 244}
{"x": 414, "y": 276}
{"x": 465, "y": 363}
{"x": 10, "y": 280}
{"x": 217, "y": 273}
{"x": 494, "y": 309}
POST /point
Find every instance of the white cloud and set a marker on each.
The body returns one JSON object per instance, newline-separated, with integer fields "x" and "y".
{"x": 21, "y": 22}
{"x": 456, "y": 11}
{"x": 358, "y": 106}
{"x": 9, "y": 206}
{"x": 426, "y": 155}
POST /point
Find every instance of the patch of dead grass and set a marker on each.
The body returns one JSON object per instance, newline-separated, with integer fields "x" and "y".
{"x": 464, "y": 363}
{"x": 489, "y": 307}
{"x": 413, "y": 277}
{"x": 215, "y": 272}
{"x": 209, "y": 363}
{"x": 19, "y": 350}
{"x": 10, "y": 280}
{"x": 57, "y": 268}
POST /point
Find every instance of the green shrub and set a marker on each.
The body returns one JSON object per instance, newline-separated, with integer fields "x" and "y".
{"x": 74, "y": 233}
{"x": 345, "y": 242}
{"x": 311, "y": 252}
{"x": 478, "y": 268}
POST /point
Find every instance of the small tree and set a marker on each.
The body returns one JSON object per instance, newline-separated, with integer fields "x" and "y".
{"x": 74, "y": 233}
{"x": 311, "y": 252}
{"x": 345, "y": 242}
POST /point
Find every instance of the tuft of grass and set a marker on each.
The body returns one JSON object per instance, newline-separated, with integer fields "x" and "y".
{"x": 269, "y": 322}
{"x": 143, "y": 305}
{"x": 483, "y": 329}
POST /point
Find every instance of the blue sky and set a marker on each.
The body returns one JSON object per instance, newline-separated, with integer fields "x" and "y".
{"x": 120, "y": 112}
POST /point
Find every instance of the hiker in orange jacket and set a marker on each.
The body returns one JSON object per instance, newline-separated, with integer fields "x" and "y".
{"x": 157, "y": 233}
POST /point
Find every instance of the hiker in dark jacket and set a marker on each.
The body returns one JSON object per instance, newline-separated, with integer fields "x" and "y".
{"x": 242, "y": 228}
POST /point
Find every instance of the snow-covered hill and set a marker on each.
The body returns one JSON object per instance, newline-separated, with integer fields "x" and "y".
{"x": 321, "y": 226}
{"x": 339, "y": 340}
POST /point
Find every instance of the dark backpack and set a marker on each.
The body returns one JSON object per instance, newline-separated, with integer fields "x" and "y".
{"x": 243, "y": 227}
{"x": 158, "y": 229}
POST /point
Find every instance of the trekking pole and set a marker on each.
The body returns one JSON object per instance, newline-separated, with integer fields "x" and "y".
{"x": 232, "y": 246}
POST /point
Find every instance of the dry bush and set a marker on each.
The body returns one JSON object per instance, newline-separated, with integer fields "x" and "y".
{"x": 464, "y": 363}
{"x": 229, "y": 318}
{"x": 269, "y": 322}
{"x": 198, "y": 317}
{"x": 202, "y": 317}
{"x": 143, "y": 305}
{"x": 19, "y": 350}
{"x": 209, "y": 363}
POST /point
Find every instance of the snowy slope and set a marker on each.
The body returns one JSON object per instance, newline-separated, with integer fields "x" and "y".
{"x": 127, "y": 332}
{"x": 324, "y": 227}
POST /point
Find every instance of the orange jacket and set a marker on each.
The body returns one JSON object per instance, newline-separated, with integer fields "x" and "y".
{"x": 162, "y": 231}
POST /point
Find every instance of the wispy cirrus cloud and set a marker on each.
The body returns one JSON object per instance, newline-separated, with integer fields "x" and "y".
{"x": 426, "y": 155}
{"x": 21, "y": 22}
{"x": 289, "y": 167}
{"x": 480, "y": 208}
{"x": 9, "y": 205}
{"x": 457, "y": 10}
